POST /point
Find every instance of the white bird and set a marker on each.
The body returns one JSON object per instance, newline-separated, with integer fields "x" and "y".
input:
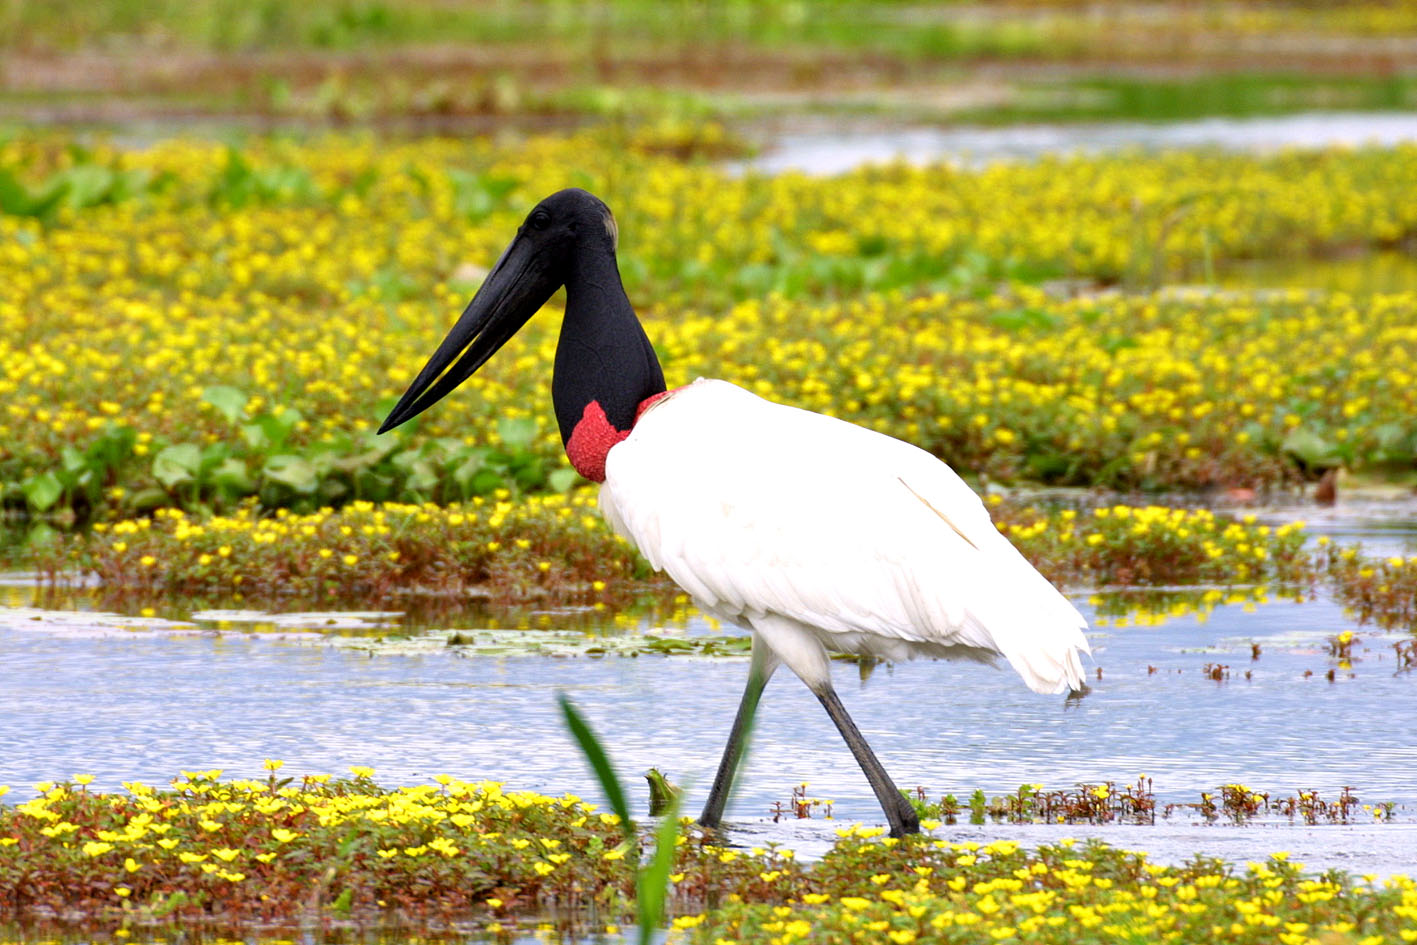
{"x": 817, "y": 535}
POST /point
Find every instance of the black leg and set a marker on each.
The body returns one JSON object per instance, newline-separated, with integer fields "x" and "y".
{"x": 899, "y": 813}
{"x": 758, "y": 678}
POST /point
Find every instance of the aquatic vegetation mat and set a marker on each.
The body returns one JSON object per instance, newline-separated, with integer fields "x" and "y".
{"x": 251, "y": 312}
{"x": 558, "y": 547}
{"x": 534, "y": 547}
{"x": 879, "y": 890}
{"x": 264, "y": 851}
{"x": 207, "y": 852}
{"x": 435, "y": 562}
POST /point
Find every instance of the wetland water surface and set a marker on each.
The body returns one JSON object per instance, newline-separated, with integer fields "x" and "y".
{"x": 140, "y": 704}
{"x": 835, "y": 150}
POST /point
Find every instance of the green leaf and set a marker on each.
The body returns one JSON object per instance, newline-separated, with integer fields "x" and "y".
{"x": 599, "y": 762}
{"x": 467, "y": 471}
{"x": 229, "y": 402}
{"x": 43, "y": 490}
{"x": 72, "y": 460}
{"x": 112, "y": 448}
{"x": 652, "y": 881}
{"x": 86, "y": 185}
{"x": 294, "y": 471}
{"x": 177, "y": 464}
{"x": 531, "y": 472}
{"x": 15, "y": 197}
{"x": 149, "y": 498}
{"x": 517, "y": 433}
{"x": 563, "y": 479}
{"x": 255, "y": 436}
{"x": 1394, "y": 442}
{"x": 213, "y": 455}
{"x": 486, "y": 482}
{"x": 233, "y": 476}
{"x": 423, "y": 477}
{"x": 1311, "y": 449}
{"x": 269, "y": 431}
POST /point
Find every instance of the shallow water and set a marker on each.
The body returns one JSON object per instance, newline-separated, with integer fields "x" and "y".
{"x": 1382, "y": 521}
{"x": 84, "y": 695}
{"x": 837, "y": 149}
{"x": 1385, "y": 271}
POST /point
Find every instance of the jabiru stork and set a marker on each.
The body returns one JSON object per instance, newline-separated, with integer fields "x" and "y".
{"x": 816, "y": 535}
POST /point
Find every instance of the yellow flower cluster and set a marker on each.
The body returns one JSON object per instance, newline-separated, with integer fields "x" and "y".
{"x": 1178, "y": 388}
{"x": 308, "y": 281}
{"x": 1149, "y": 545}
{"x": 242, "y": 842}
{"x": 507, "y": 548}
{"x": 969, "y": 892}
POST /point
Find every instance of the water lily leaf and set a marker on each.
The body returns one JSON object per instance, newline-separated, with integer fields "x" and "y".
{"x": 43, "y": 490}
{"x": 228, "y": 401}
{"x": 177, "y": 464}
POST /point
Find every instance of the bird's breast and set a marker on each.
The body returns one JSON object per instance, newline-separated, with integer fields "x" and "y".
{"x": 594, "y": 435}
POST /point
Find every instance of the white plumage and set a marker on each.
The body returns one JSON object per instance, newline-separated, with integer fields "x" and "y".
{"x": 821, "y": 535}
{"x": 818, "y": 535}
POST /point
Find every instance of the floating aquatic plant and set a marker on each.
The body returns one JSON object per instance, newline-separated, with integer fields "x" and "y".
{"x": 254, "y": 314}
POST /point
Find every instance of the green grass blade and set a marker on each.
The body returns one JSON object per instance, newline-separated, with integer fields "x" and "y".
{"x": 599, "y": 762}
{"x": 652, "y": 880}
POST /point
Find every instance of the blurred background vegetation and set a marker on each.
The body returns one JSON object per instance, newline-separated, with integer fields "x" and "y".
{"x": 353, "y": 60}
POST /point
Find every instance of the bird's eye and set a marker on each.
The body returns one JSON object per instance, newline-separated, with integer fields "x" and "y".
{"x": 540, "y": 221}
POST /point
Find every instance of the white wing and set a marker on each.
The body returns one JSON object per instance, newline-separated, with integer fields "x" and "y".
{"x": 778, "y": 517}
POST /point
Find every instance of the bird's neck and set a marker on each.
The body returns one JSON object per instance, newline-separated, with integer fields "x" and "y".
{"x": 605, "y": 365}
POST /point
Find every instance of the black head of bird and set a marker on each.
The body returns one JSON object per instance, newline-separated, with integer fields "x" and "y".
{"x": 605, "y": 365}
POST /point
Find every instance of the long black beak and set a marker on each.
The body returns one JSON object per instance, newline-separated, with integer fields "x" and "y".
{"x": 518, "y": 285}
